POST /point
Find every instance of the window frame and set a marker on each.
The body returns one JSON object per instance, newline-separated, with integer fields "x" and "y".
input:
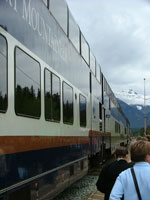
{"x": 63, "y": 103}
{"x": 46, "y": 4}
{"x": 57, "y": 19}
{"x": 117, "y": 127}
{"x": 98, "y": 71}
{"x": 85, "y": 110}
{"x": 82, "y": 39}
{"x": 70, "y": 21}
{"x": 19, "y": 114}
{"x": 4, "y": 111}
{"x": 51, "y": 74}
{"x": 92, "y": 63}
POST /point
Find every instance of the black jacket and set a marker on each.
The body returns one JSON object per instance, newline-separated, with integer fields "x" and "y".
{"x": 109, "y": 174}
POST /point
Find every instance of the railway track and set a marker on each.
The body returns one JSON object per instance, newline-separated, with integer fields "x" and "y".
{"x": 84, "y": 189}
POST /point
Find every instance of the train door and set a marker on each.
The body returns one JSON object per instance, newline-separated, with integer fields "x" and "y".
{"x": 95, "y": 114}
{"x": 100, "y": 117}
{"x": 104, "y": 120}
{"x": 95, "y": 137}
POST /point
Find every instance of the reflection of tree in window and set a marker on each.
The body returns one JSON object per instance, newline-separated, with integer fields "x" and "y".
{"x": 48, "y": 96}
{"x": 52, "y": 96}
{"x": 3, "y": 74}
{"x": 55, "y": 98}
{"x": 28, "y": 95}
{"x": 67, "y": 104}
{"x": 82, "y": 111}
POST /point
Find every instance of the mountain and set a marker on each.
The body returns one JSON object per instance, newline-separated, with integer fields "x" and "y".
{"x": 132, "y": 98}
{"x": 132, "y": 105}
{"x": 134, "y": 115}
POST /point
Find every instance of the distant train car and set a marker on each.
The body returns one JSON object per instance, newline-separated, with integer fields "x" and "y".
{"x": 115, "y": 123}
{"x": 56, "y": 107}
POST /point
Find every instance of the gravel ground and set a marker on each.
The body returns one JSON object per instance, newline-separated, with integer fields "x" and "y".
{"x": 82, "y": 189}
{"x": 79, "y": 190}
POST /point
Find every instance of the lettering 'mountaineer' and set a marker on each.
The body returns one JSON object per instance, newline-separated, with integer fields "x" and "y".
{"x": 38, "y": 24}
{"x": 33, "y": 18}
{"x": 13, "y": 4}
{"x": 26, "y": 11}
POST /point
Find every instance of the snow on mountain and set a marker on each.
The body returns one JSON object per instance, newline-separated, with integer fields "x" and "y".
{"x": 139, "y": 107}
{"x": 131, "y": 98}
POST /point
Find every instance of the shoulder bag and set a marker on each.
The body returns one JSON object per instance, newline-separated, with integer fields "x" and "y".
{"x": 136, "y": 184}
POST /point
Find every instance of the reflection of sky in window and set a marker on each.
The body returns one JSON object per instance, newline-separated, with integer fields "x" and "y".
{"x": 3, "y": 66}
{"x": 116, "y": 113}
{"x": 45, "y": 1}
{"x": 84, "y": 49}
{"x": 73, "y": 32}
{"x": 3, "y": 86}
{"x": 27, "y": 71}
{"x": 67, "y": 94}
{"x": 98, "y": 73}
{"x": 59, "y": 10}
{"x": 2, "y": 46}
{"x": 82, "y": 103}
{"x": 92, "y": 62}
{"x": 96, "y": 88}
{"x": 56, "y": 84}
{"x": 106, "y": 100}
{"x": 47, "y": 81}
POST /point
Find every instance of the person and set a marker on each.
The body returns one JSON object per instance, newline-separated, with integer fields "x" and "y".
{"x": 131, "y": 140}
{"x": 124, "y": 185}
{"x": 141, "y": 138}
{"x": 148, "y": 137}
{"x": 111, "y": 171}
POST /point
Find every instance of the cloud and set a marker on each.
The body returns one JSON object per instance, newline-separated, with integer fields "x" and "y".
{"x": 118, "y": 33}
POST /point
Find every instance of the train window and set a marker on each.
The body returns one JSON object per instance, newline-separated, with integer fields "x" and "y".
{"x": 100, "y": 111}
{"x": 48, "y": 95}
{"x": 104, "y": 84}
{"x": 59, "y": 10}
{"x": 52, "y": 96}
{"x": 96, "y": 89}
{"x": 84, "y": 49}
{"x": 67, "y": 104}
{"x": 3, "y": 74}
{"x": 98, "y": 72}
{"x": 92, "y": 63}
{"x": 104, "y": 117}
{"x": 82, "y": 100}
{"x": 125, "y": 130}
{"x": 117, "y": 127}
{"x": 55, "y": 98}
{"x": 27, "y": 85}
{"x": 74, "y": 32}
{"x": 109, "y": 104}
{"x": 46, "y": 2}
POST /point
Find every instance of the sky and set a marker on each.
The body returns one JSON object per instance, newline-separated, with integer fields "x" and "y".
{"x": 118, "y": 32}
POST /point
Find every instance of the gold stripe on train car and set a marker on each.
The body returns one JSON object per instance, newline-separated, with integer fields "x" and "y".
{"x": 15, "y": 144}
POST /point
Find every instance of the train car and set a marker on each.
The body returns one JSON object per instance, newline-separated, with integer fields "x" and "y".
{"x": 54, "y": 110}
{"x": 116, "y": 124}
